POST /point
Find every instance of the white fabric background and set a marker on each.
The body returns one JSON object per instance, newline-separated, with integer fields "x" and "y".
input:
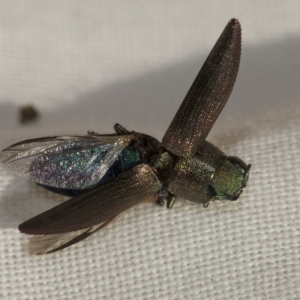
{"x": 88, "y": 64}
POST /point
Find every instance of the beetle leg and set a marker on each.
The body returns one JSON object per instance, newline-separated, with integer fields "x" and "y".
{"x": 162, "y": 197}
{"x": 119, "y": 129}
{"x": 171, "y": 199}
{"x": 205, "y": 204}
{"x": 92, "y": 132}
{"x": 166, "y": 196}
{"x": 160, "y": 201}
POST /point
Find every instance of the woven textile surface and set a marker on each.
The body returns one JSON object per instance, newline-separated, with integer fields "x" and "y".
{"x": 85, "y": 66}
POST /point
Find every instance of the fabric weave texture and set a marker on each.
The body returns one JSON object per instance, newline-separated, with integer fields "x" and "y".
{"x": 87, "y": 65}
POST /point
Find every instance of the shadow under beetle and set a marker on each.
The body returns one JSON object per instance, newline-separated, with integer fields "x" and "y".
{"x": 108, "y": 174}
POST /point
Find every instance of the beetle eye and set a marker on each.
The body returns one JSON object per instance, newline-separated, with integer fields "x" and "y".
{"x": 238, "y": 163}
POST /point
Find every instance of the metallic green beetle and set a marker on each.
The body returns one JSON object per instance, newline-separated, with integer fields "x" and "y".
{"x": 108, "y": 174}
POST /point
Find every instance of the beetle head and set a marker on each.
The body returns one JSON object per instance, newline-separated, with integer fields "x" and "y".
{"x": 229, "y": 179}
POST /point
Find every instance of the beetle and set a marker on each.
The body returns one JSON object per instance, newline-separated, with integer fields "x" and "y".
{"x": 108, "y": 174}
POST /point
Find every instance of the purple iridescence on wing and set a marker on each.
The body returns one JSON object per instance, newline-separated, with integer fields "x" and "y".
{"x": 68, "y": 162}
{"x": 75, "y": 168}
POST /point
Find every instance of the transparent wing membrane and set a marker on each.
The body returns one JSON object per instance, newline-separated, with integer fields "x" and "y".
{"x": 73, "y": 162}
{"x": 43, "y": 244}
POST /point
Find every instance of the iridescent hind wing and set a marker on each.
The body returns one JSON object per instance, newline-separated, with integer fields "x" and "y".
{"x": 69, "y": 162}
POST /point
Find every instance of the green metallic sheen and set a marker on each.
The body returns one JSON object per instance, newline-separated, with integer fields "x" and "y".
{"x": 129, "y": 158}
{"x": 209, "y": 175}
{"x": 227, "y": 180}
{"x": 171, "y": 201}
{"x": 164, "y": 164}
{"x": 163, "y": 160}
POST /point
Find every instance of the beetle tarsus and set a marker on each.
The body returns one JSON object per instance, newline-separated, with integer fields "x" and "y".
{"x": 119, "y": 129}
{"x": 206, "y": 204}
{"x": 171, "y": 199}
{"x": 160, "y": 201}
{"x": 92, "y": 132}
